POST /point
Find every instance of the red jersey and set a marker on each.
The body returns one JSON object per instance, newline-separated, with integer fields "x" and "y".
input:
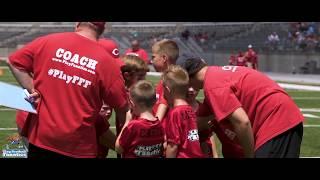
{"x": 251, "y": 59}
{"x": 233, "y": 60}
{"x": 230, "y": 144}
{"x": 240, "y": 60}
{"x": 269, "y": 108}
{"x": 224, "y": 131}
{"x": 21, "y": 117}
{"x": 141, "y": 53}
{"x": 160, "y": 97}
{"x": 112, "y": 48}
{"x": 74, "y": 75}
{"x": 142, "y": 138}
{"x": 181, "y": 129}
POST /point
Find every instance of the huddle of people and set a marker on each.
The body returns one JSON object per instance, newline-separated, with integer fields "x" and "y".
{"x": 249, "y": 113}
{"x": 248, "y": 59}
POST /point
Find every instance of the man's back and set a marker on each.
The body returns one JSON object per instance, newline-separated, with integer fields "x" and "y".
{"x": 265, "y": 102}
{"x": 72, "y": 74}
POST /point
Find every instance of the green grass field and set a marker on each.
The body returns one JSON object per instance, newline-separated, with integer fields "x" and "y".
{"x": 304, "y": 99}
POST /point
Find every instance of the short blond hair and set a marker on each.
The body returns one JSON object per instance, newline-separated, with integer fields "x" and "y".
{"x": 143, "y": 94}
{"x": 168, "y": 47}
{"x": 177, "y": 79}
{"x": 133, "y": 64}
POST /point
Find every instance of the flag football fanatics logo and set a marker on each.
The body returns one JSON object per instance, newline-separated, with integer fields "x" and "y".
{"x": 193, "y": 135}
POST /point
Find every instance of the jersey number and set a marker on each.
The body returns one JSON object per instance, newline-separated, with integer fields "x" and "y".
{"x": 230, "y": 68}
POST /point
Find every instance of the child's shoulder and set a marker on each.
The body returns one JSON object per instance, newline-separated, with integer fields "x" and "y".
{"x": 138, "y": 121}
{"x": 181, "y": 108}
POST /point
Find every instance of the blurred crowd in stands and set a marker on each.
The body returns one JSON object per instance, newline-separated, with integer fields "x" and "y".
{"x": 304, "y": 36}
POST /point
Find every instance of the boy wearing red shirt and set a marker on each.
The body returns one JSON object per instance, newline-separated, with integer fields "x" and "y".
{"x": 181, "y": 123}
{"x": 143, "y": 136}
{"x": 164, "y": 54}
{"x": 206, "y": 137}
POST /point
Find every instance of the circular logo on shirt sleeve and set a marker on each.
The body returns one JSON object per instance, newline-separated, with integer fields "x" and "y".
{"x": 115, "y": 52}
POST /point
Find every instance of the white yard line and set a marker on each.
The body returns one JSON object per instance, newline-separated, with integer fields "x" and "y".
{"x": 306, "y": 98}
{"x": 7, "y": 109}
{"x": 310, "y": 109}
{"x": 4, "y": 67}
{"x": 311, "y": 125}
{"x": 15, "y": 129}
{"x": 311, "y": 116}
{"x": 113, "y": 127}
{"x": 8, "y": 129}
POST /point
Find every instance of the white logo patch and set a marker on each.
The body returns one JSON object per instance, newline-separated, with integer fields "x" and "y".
{"x": 193, "y": 135}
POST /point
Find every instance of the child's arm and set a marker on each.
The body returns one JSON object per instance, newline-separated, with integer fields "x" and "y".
{"x": 171, "y": 151}
{"x": 242, "y": 127}
{"x": 128, "y": 116}
{"x": 214, "y": 147}
{"x": 118, "y": 147}
{"x": 162, "y": 109}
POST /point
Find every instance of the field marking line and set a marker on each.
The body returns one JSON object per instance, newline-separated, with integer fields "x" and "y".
{"x": 113, "y": 127}
{"x": 4, "y": 67}
{"x": 310, "y": 109}
{"x": 311, "y": 116}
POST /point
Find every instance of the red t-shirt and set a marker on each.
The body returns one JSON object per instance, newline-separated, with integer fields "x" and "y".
{"x": 232, "y": 60}
{"x": 224, "y": 131}
{"x": 160, "y": 98}
{"x": 73, "y": 75}
{"x": 269, "y": 108}
{"x": 241, "y": 61}
{"x": 142, "y": 138}
{"x": 251, "y": 57}
{"x": 181, "y": 129}
{"x": 21, "y": 117}
{"x": 141, "y": 53}
{"x": 102, "y": 126}
{"x": 230, "y": 144}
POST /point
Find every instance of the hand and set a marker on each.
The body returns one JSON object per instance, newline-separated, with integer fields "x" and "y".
{"x": 34, "y": 97}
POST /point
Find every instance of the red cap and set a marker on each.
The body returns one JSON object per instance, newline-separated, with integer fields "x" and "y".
{"x": 100, "y": 25}
{"x": 110, "y": 46}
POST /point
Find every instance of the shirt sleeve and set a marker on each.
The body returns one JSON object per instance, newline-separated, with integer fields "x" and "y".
{"x": 159, "y": 90}
{"x": 222, "y": 102}
{"x": 172, "y": 129}
{"x": 23, "y": 58}
{"x": 162, "y": 100}
{"x": 117, "y": 96}
{"x": 204, "y": 109}
{"x": 112, "y": 86}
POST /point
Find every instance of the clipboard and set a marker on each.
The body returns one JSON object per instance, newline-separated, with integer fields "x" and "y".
{"x": 12, "y": 96}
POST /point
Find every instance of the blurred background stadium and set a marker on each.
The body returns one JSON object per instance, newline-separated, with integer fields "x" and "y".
{"x": 289, "y": 52}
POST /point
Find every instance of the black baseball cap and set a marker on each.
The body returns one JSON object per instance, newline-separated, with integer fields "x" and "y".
{"x": 191, "y": 63}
